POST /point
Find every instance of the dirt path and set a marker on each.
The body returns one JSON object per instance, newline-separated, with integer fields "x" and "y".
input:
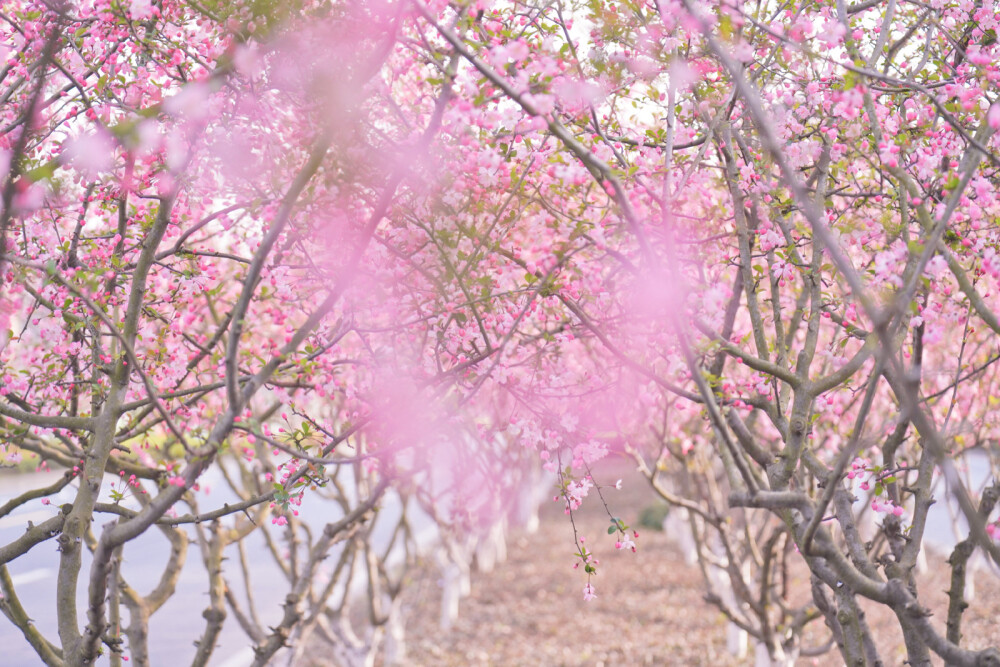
{"x": 530, "y": 611}
{"x": 649, "y": 608}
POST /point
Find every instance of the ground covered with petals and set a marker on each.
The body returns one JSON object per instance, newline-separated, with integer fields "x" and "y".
{"x": 529, "y": 611}
{"x": 649, "y": 608}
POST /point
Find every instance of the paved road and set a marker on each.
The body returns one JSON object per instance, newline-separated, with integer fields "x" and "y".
{"x": 178, "y": 623}
{"x": 942, "y": 531}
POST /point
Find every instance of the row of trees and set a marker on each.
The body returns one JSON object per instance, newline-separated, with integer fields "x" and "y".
{"x": 361, "y": 251}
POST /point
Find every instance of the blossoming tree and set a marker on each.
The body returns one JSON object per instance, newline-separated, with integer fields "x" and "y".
{"x": 374, "y": 249}
{"x": 798, "y": 245}
{"x": 217, "y": 252}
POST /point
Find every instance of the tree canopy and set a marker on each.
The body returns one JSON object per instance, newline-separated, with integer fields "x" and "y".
{"x": 354, "y": 249}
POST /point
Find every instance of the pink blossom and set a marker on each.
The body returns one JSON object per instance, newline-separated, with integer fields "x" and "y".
{"x": 576, "y": 491}
{"x": 625, "y": 542}
{"x": 993, "y": 116}
{"x": 92, "y": 154}
{"x": 141, "y": 9}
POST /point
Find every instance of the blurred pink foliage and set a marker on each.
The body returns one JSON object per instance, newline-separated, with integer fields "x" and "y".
{"x": 453, "y": 242}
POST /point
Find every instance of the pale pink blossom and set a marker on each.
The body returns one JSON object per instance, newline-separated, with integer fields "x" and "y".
{"x": 141, "y": 9}
{"x": 993, "y": 116}
{"x": 91, "y": 154}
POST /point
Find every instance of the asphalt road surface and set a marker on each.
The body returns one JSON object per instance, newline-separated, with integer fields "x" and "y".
{"x": 179, "y": 623}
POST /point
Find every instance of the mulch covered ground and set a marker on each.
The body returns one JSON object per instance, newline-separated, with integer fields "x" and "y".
{"x": 648, "y": 611}
{"x": 649, "y": 608}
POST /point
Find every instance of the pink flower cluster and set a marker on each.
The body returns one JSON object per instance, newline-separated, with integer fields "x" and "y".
{"x": 626, "y": 541}
{"x": 867, "y": 474}
{"x": 575, "y": 492}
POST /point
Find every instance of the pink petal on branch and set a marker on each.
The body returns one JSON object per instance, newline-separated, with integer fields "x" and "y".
{"x": 141, "y": 9}
{"x": 90, "y": 154}
{"x": 993, "y": 116}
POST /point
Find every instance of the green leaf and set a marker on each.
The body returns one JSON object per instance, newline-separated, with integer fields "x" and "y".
{"x": 43, "y": 172}
{"x": 726, "y": 26}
